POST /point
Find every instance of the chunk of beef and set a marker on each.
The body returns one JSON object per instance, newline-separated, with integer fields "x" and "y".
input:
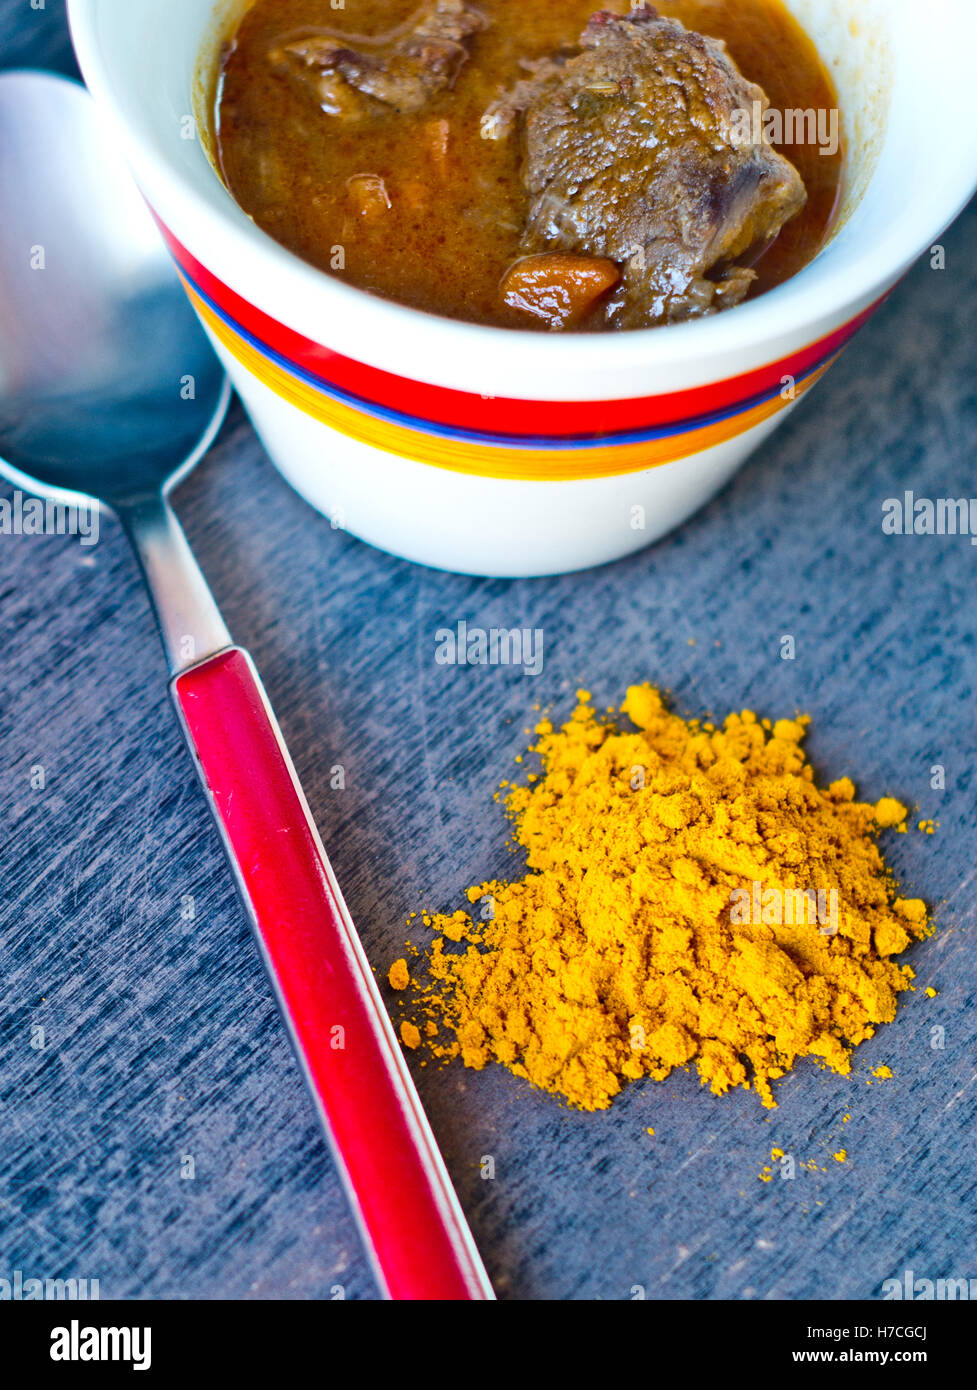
{"x": 502, "y": 117}
{"x": 634, "y": 151}
{"x": 402, "y": 69}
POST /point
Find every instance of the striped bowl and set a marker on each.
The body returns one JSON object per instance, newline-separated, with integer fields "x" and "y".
{"x": 505, "y": 453}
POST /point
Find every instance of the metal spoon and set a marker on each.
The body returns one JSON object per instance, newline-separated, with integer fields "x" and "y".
{"x": 109, "y": 394}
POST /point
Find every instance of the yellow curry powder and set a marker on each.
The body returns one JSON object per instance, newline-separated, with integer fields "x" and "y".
{"x": 674, "y": 911}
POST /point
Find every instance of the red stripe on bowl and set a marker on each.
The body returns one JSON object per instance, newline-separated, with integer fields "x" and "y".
{"x": 532, "y": 418}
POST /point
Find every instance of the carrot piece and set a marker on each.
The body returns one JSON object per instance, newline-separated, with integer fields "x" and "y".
{"x": 557, "y": 287}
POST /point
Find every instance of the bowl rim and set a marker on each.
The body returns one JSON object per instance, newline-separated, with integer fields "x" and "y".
{"x": 371, "y": 328}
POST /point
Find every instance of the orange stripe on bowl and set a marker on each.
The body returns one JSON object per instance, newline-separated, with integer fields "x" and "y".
{"x": 528, "y": 464}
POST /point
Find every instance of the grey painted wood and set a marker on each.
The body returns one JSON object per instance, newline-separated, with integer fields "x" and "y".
{"x": 161, "y": 1040}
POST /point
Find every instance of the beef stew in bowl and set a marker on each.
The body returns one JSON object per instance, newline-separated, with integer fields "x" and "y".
{"x": 534, "y": 166}
{"x": 470, "y": 447}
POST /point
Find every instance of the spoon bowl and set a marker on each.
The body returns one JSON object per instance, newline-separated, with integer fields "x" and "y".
{"x": 109, "y": 388}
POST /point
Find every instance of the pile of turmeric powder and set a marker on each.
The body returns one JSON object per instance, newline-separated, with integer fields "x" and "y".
{"x": 692, "y": 896}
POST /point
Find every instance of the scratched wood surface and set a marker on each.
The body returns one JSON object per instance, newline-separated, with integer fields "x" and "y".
{"x": 160, "y": 1037}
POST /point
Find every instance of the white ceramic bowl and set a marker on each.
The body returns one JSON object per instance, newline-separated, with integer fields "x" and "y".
{"x": 506, "y": 453}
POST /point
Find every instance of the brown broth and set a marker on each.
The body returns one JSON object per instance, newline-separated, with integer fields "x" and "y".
{"x": 455, "y": 222}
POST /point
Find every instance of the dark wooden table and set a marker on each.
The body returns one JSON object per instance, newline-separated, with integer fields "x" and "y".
{"x": 160, "y": 1039}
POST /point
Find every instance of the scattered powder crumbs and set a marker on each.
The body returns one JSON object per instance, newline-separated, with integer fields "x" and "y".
{"x": 669, "y": 916}
{"x": 410, "y": 1035}
{"x": 651, "y": 1132}
{"x": 930, "y": 992}
{"x": 929, "y": 827}
{"x": 845, "y": 1119}
{"x": 398, "y": 975}
{"x": 767, "y": 1173}
{"x": 882, "y": 1074}
{"x": 890, "y": 812}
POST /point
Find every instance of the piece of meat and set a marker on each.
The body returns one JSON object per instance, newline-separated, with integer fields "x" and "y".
{"x": 501, "y": 118}
{"x": 402, "y": 69}
{"x": 634, "y": 151}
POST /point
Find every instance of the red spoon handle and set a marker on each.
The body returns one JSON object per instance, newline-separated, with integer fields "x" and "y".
{"x": 381, "y": 1139}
